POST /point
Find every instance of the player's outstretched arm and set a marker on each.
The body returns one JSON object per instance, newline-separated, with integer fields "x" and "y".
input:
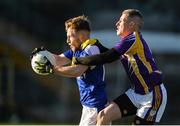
{"x": 70, "y": 71}
{"x": 43, "y": 61}
{"x": 99, "y": 59}
{"x": 64, "y": 67}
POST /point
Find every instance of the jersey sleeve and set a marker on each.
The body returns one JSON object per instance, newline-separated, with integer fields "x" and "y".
{"x": 124, "y": 45}
{"x": 68, "y": 54}
{"x": 92, "y": 50}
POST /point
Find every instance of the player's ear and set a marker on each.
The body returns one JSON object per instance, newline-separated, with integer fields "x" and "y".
{"x": 82, "y": 36}
{"x": 132, "y": 24}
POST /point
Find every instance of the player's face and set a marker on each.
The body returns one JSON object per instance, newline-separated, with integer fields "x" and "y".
{"x": 73, "y": 39}
{"x": 122, "y": 26}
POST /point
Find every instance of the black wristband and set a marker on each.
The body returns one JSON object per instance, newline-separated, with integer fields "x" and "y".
{"x": 99, "y": 59}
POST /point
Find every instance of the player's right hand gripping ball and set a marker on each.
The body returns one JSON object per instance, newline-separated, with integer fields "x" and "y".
{"x": 40, "y": 62}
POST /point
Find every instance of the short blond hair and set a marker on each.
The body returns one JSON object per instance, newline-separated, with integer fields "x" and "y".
{"x": 78, "y": 23}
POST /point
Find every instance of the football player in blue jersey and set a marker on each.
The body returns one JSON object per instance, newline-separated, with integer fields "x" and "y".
{"x": 90, "y": 80}
{"x": 147, "y": 97}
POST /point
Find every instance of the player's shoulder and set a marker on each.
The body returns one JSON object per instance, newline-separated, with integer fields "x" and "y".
{"x": 92, "y": 49}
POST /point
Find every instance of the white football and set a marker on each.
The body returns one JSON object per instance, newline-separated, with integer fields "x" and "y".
{"x": 42, "y": 57}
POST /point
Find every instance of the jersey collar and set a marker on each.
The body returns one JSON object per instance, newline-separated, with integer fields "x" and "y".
{"x": 88, "y": 42}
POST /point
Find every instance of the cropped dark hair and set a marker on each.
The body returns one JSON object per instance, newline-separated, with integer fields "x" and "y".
{"x": 135, "y": 13}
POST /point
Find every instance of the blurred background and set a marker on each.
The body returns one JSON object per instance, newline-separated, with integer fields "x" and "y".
{"x": 27, "y": 98}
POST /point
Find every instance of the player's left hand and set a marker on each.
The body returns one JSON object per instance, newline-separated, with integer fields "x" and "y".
{"x": 44, "y": 68}
{"x": 42, "y": 61}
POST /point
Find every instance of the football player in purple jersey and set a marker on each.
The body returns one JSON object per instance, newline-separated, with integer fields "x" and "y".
{"x": 147, "y": 97}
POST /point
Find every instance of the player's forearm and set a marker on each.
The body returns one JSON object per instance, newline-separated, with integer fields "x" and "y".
{"x": 69, "y": 71}
{"x": 63, "y": 74}
{"x": 107, "y": 57}
{"x": 61, "y": 60}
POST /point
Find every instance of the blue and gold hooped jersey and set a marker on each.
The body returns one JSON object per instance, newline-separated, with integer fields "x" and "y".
{"x": 91, "y": 83}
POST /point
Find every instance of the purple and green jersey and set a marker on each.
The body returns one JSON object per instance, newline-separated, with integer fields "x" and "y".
{"x": 138, "y": 62}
